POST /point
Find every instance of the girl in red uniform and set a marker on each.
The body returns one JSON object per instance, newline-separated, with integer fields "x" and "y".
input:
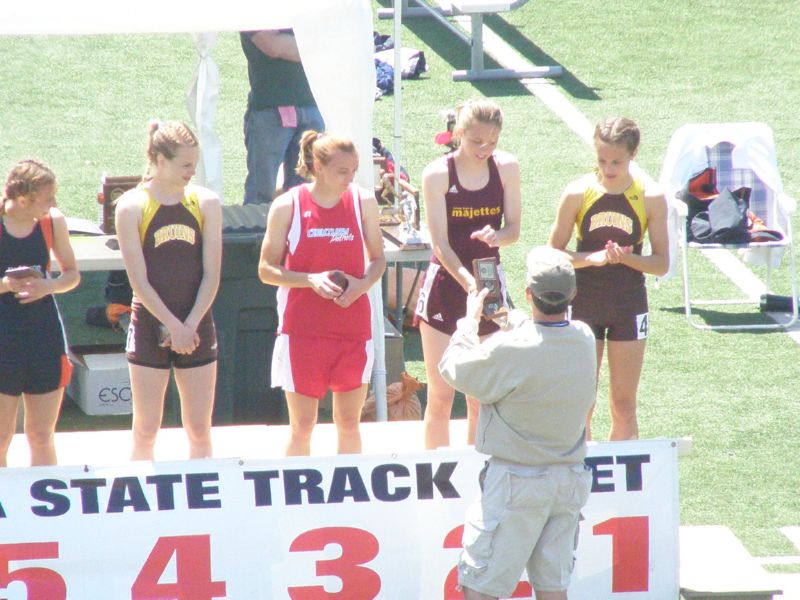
{"x": 611, "y": 212}
{"x": 33, "y": 357}
{"x": 323, "y": 248}
{"x": 472, "y": 206}
{"x": 170, "y": 235}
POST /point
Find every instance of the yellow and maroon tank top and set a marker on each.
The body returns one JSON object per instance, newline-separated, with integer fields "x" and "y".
{"x": 617, "y": 217}
{"x": 172, "y": 244}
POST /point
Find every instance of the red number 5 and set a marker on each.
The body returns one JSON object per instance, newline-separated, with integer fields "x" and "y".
{"x": 358, "y": 547}
{"x": 40, "y": 582}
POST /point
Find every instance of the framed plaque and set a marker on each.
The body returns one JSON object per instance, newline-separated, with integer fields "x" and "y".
{"x": 111, "y": 188}
{"x": 486, "y": 275}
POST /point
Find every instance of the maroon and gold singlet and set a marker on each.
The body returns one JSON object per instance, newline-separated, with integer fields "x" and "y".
{"x": 442, "y": 300}
{"x": 612, "y": 299}
{"x": 172, "y": 245}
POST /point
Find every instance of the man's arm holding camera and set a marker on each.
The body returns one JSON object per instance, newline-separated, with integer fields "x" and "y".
{"x": 472, "y": 367}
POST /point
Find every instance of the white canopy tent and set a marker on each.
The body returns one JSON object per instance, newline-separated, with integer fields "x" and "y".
{"x": 335, "y": 42}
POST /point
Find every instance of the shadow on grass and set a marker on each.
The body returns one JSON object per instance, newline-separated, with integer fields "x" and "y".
{"x": 457, "y": 54}
{"x": 534, "y": 54}
{"x": 717, "y": 317}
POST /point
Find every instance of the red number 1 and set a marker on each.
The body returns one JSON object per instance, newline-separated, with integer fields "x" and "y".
{"x": 630, "y": 549}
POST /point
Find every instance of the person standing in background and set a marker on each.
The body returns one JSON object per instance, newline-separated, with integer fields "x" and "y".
{"x": 280, "y": 107}
{"x": 33, "y": 349}
{"x": 170, "y": 235}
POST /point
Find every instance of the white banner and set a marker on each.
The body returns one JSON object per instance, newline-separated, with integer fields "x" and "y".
{"x": 380, "y": 526}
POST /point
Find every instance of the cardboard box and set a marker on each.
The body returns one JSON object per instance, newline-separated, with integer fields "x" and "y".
{"x": 100, "y": 382}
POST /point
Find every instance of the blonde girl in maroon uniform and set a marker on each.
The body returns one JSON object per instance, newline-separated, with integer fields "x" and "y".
{"x": 170, "y": 234}
{"x": 612, "y": 212}
{"x": 33, "y": 353}
{"x": 323, "y": 248}
{"x": 472, "y": 207}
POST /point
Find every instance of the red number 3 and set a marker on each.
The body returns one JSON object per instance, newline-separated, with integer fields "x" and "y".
{"x": 358, "y": 547}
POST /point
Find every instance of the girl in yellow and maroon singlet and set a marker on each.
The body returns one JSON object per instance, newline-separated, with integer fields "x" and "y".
{"x": 611, "y": 212}
{"x": 170, "y": 234}
{"x": 323, "y": 248}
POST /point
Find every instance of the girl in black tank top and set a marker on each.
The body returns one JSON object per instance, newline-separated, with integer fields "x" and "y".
{"x": 33, "y": 352}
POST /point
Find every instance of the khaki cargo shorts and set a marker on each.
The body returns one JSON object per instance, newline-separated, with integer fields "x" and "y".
{"x": 526, "y": 518}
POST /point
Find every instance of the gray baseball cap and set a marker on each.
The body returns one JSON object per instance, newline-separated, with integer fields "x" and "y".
{"x": 551, "y": 276}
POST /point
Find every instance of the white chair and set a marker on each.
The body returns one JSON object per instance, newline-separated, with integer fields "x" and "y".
{"x": 743, "y": 155}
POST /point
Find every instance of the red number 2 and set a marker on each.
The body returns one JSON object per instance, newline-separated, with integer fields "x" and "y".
{"x": 193, "y": 562}
{"x": 358, "y": 547}
{"x": 453, "y": 540}
{"x": 630, "y": 549}
{"x": 40, "y": 582}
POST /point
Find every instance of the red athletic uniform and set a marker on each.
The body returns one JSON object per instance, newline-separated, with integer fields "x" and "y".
{"x": 308, "y": 357}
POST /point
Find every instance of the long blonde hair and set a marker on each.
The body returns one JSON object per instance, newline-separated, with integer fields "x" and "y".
{"x": 165, "y": 137}
{"x": 477, "y": 110}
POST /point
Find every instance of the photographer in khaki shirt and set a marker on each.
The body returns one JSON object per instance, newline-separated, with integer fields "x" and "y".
{"x": 535, "y": 380}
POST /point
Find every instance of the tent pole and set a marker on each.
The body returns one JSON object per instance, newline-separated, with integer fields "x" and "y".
{"x": 398, "y": 92}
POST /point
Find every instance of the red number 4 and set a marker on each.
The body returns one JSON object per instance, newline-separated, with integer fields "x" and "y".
{"x": 193, "y": 562}
{"x": 40, "y": 582}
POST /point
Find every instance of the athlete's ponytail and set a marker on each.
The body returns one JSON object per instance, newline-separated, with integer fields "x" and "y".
{"x": 164, "y": 137}
{"x": 320, "y": 147}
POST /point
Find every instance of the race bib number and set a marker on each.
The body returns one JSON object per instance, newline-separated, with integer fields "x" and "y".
{"x": 642, "y": 325}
